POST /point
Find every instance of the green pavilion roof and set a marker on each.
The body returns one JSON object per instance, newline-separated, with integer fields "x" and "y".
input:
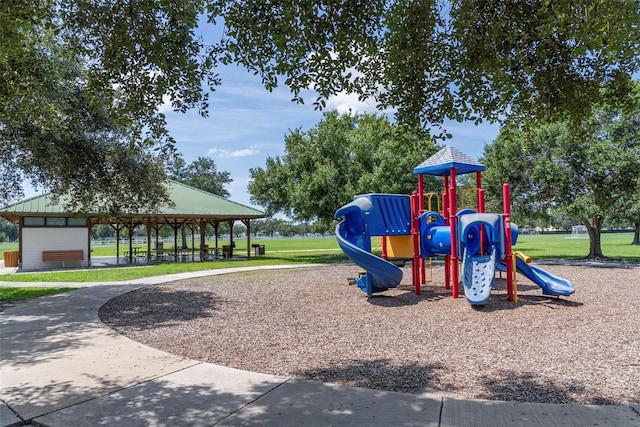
{"x": 188, "y": 201}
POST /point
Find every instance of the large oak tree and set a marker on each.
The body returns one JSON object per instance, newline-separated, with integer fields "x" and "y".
{"x": 430, "y": 60}
{"x": 591, "y": 176}
{"x": 343, "y": 155}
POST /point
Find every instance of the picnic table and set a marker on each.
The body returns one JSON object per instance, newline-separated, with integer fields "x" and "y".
{"x": 136, "y": 254}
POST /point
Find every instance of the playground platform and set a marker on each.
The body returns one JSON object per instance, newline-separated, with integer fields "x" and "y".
{"x": 60, "y": 366}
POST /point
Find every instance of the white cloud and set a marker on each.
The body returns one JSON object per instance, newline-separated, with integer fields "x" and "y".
{"x": 345, "y": 102}
{"x": 166, "y": 106}
{"x": 223, "y": 153}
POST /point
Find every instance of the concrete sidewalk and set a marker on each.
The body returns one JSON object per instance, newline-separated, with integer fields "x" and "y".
{"x": 61, "y": 366}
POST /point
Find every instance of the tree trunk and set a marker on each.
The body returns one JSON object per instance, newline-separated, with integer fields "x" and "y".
{"x": 183, "y": 231}
{"x": 594, "y": 230}
{"x": 636, "y": 234}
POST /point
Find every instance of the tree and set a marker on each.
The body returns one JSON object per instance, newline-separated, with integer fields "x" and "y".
{"x": 635, "y": 215}
{"x": 85, "y": 153}
{"x": 430, "y": 60}
{"x": 8, "y": 231}
{"x": 102, "y": 231}
{"x": 342, "y": 156}
{"x": 321, "y": 227}
{"x": 239, "y": 230}
{"x": 442, "y": 59}
{"x": 267, "y": 226}
{"x": 552, "y": 171}
{"x": 58, "y": 131}
{"x": 302, "y": 229}
{"x": 202, "y": 174}
{"x": 628, "y": 212}
{"x": 636, "y": 228}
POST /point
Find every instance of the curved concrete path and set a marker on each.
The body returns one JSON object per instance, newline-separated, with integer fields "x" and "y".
{"x": 61, "y": 366}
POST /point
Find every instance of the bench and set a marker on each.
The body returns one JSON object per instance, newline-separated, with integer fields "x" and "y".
{"x": 66, "y": 255}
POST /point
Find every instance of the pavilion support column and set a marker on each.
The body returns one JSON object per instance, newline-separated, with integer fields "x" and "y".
{"x": 117, "y": 228}
{"x": 192, "y": 226}
{"x": 203, "y": 232}
{"x": 158, "y": 250}
{"x": 247, "y": 223}
{"x": 215, "y": 224}
{"x": 175, "y": 239}
{"x": 89, "y": 231}
{"x": 20, "y": 224}
{"x": 176, "y": 226}
{"x": 231, "y": 222}
{"x": 131, "y": 229}
{"x": 148, "y": 226}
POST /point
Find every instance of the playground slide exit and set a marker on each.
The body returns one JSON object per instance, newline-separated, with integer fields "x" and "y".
{"x": 478, "y": 273}
{"x": 355, "y": 243}
{"x": 550, "y": 284}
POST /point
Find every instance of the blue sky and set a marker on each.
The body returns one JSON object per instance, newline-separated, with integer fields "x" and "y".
{"x": 247, "y": 124}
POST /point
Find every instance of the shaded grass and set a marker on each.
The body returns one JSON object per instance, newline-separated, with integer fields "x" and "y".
{"x": 24, "y": 293}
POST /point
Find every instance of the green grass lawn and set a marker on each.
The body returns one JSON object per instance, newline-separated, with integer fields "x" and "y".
{"x": 271, "y": 245}
{"x": 318, "y": 250}
{"x": 614, "y": 245}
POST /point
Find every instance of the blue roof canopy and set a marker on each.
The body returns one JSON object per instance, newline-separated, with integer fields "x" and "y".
{"x": 440, "y": 164}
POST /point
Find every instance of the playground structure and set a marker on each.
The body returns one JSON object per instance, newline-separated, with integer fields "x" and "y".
{"x": 470, "y": 240}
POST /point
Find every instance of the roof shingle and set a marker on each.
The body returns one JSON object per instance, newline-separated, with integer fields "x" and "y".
{"x": 440, "y": 164}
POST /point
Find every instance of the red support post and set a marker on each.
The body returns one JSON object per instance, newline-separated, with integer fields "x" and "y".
{"x": 483, "y": 234}
{"x": 508, "y": 255}
{"x": 480, "y": 191}
{"x": 421, "y": 192}
{"x": 480, "y": 197}
{"x": 445, "y": 201}
{"x": 445, "y": 214}
{"x": 415, "y": 264}
{"x": 420, "y": 211}
{"x": 454, "y": 235}
{"x": 383, "y": 243}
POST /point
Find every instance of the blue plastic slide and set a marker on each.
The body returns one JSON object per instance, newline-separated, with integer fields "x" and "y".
{"x": 381, "y": 275}
{"x": 550, "y": 284}
{"x": 478, "y": 273}
{"x": 355, "y": 242}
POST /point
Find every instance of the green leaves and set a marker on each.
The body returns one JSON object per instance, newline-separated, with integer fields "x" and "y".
{"x": 429, "y": 61}
{"x": 57, "y": 132}
{"x": 439, "y": 60}
{"x": 344, "y": 155}
{"x": 202, "y": 174}
{"x": 588, "y": 174}
{"x": 546, "y": 60}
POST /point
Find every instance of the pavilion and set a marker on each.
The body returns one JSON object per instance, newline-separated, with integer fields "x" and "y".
{"x": 50, "y": 236}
